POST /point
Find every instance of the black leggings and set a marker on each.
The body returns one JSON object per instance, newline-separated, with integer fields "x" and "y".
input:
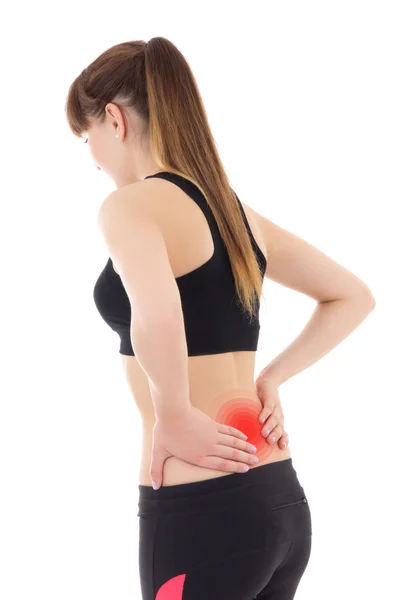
{"x": 242, "y": 536}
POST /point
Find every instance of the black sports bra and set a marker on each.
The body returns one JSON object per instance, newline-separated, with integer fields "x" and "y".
{"x": 214, "y": 321}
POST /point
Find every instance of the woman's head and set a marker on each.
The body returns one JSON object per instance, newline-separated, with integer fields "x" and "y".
{"x": 120, "y": 145}
{"x": 107, "y": 106}
{"x": 147, "y": 94}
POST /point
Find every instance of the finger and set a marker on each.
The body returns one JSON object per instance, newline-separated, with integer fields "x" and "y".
{"x": 275, "y": 434}
{"x": 283, "y": 442}
{"x": 231, "y": 441}
{"x": 267, "y": 410}
{"x": 269, "y": 425}
{"x": 223, "y": 464}
{"x": 156, "y": 469}
{"x": 234, "y": 454}
{"x": 231, "y": 431}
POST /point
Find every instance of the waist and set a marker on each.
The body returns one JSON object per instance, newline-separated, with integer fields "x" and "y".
{"x": 177, "y": 471}
{"x": 240, "y": 410}
{"x": 277, "y": 479}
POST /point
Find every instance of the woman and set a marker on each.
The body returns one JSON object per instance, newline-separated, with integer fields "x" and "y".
{"x": 182, "y": 289}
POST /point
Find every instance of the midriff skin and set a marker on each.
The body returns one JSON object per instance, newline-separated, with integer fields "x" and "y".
{"x": 221, "y": 385}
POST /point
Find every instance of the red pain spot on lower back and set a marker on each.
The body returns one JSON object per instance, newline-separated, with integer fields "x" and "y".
{"x": 243, "y": 414}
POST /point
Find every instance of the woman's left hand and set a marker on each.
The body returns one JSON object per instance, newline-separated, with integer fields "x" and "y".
{"x": 273, "y": 426}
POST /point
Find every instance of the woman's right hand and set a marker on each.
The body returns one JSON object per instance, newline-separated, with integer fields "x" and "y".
{"x": 194, "y": 437}
{"x": 271, "y": 415}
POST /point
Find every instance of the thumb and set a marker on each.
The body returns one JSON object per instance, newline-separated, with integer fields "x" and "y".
{"x": 268, "y": 398}
{"x": 156, "y": 469}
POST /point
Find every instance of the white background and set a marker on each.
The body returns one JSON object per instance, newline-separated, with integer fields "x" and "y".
{"x": 303, "y": 101}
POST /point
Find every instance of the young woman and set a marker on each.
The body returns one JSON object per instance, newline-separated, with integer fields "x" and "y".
{"x": 182, "y": 289}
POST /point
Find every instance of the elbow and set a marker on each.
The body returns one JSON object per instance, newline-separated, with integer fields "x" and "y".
{"x": 372, "y": 302}
{"x": 367, "y": 299}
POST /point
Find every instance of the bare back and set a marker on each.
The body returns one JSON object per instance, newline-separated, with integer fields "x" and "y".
{"x": 218, "y": 383}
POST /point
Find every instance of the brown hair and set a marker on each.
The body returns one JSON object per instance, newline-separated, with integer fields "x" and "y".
{"x": 155, "y": 81}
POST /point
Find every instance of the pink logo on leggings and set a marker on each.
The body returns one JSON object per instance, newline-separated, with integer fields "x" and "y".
{"x": 172, "y": 589}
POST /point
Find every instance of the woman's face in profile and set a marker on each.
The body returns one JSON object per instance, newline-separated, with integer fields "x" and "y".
{"x": 96, "y": 146}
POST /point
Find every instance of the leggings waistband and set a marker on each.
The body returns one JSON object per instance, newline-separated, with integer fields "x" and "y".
{"x": 279, "y": 476}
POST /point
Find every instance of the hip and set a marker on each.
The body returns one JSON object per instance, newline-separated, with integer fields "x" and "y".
{"x": 177, "y": 471}
{"x": 265, "y": 505}
{"x": 224, "y": 536}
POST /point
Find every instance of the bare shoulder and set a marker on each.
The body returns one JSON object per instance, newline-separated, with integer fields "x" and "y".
{"x": 143, "y": 195}
{"x": 155, "y": 199}
{"x": 136, "y": 200}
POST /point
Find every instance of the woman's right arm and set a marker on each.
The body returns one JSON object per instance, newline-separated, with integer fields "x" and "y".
{"x": 343, "y": 300}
